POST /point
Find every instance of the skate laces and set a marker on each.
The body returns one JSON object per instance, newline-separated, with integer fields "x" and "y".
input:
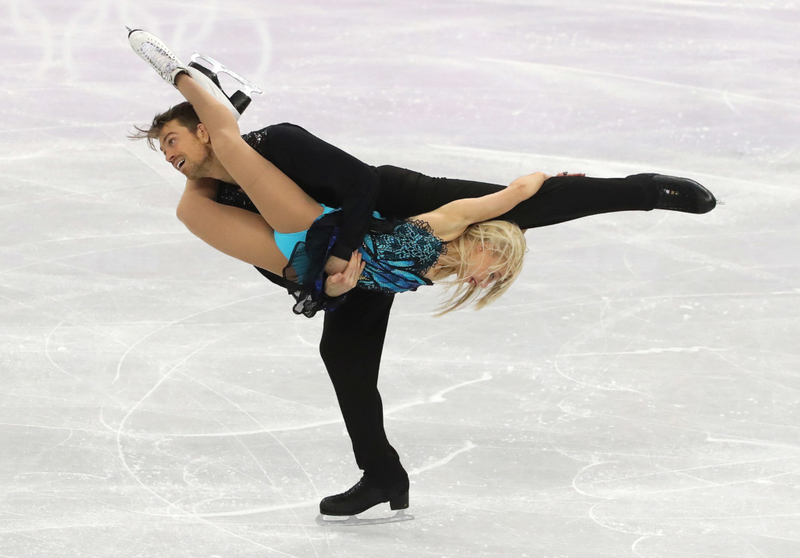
{"x": 161, "y": 59}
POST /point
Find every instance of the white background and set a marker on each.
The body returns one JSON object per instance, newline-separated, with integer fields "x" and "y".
{"x": 635, "y": 394}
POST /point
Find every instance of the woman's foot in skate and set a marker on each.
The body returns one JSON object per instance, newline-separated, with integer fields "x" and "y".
{"x": 168, "y": 66}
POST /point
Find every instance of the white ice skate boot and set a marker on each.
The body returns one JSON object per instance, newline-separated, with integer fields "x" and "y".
{"x": 161, "y": 59}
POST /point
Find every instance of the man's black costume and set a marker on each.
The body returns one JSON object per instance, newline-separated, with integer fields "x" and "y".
{"x": 354, "y": 333}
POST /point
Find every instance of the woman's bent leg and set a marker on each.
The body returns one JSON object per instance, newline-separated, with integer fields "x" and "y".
{"x": 285, "y": 206}
{"x": 236, "y": 232}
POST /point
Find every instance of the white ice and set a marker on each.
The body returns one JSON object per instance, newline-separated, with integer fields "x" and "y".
{"x": 635, "y": 394}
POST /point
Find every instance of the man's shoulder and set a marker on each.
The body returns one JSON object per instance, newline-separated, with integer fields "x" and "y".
{"x": 263, "y": 132}
{"x": 278, "y": 138}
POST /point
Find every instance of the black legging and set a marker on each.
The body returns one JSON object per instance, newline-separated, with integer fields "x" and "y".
{"x": 353, "y": 334}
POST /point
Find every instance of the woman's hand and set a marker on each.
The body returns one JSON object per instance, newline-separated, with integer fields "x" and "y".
{"x": 528, "y": 185}
{"x": 340, "y": 283}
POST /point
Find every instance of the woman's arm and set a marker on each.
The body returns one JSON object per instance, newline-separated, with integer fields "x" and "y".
{"x": 450, "y": 220}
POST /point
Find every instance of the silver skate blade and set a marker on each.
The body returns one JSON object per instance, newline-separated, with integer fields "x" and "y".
{"x": 355, "y": 521}
{"x": 218, "y": 68}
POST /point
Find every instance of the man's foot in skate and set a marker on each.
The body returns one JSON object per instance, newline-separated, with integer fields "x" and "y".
{"x": 681, "y": 194}
{"x": 168, "y": 66}
{"x": 364, "y": 495}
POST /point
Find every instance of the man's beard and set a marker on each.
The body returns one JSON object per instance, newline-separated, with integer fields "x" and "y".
{"x": 201, "y": 169}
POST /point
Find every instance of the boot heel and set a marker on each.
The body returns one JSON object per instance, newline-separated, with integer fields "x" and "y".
{"x": 400, "y": 502}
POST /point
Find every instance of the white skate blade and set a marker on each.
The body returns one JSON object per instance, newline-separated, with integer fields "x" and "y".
{"x": 212, "y": 88}
{"x": 355, "y": 521}
{"x": 248, "y": 87}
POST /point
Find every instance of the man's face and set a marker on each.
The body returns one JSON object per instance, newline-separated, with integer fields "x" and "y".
{"x": 189, "y": 153}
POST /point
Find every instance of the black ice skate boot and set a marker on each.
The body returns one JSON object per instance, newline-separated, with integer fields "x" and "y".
{"x": 680, "y": 194}
{"x": 168, "y": 66}
{"x": 364, "y": 495}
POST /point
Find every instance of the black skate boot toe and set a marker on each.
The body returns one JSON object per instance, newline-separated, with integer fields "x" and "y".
{"x": 681, "y": 194}
{"x": 362, "y": 496}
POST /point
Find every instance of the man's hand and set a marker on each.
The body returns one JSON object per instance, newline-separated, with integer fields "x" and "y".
{"x": 335, "y": 265}
{"x": 340, "y": 283}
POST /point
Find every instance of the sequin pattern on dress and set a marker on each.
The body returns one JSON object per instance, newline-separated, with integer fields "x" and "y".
{"x": 397, "y": 261}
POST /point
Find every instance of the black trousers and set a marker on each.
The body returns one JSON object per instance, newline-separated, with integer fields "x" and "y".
{"x": 353, "y": 334}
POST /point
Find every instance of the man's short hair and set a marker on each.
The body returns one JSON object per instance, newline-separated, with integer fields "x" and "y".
{"x": 185, "y": 115}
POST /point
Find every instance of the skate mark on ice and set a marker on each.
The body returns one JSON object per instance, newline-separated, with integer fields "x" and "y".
{"x": 439, "y": 396}
{"x": 253, "y": 431}
{"x": 538, "y": 67}
{"x": 759, "y": 377}
{"x": 256, "y": 511}
{"x": 173, "y": 505}
{"x": 468, "y": 447}
{"x": 47, "y": 351}
{"x": 176, "y": 322}
{"x": 58, "y": 259}
{"x": 579, "y": 473}
{"x": 256, "y": 421}
{"x": 630, "y": 531}
{"x": 435, "y": 398}
{"x": 656, "y": 350}
{"x": 762, "y": 443}
{"x": 636, "y": 543}
{"x": 255, "y": 459}
{"x": 684, "y": 472}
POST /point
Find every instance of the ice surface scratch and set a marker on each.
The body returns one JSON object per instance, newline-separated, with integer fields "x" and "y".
{"x": 176, "y": 322}
{"x": 655, "y": 350}
{"x": 635, "y": 544}
{"x": 469, "y": 446}
{"x": 253, "y": 511}
{"x": 439, "y": 397}
{"x": 569, "y": 69}
{"x": 750, "y": 442}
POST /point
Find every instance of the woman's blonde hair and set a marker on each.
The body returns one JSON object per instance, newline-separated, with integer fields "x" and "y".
{"x": 502, "y": 239}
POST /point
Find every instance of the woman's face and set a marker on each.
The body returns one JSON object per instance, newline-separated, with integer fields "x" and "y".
{"x": 479, "y": 262}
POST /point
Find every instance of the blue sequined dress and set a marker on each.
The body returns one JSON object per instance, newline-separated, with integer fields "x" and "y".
{"x": 397, "y": 256}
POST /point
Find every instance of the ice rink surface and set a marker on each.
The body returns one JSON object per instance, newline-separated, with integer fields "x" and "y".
{"x": 635, "y": 394}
